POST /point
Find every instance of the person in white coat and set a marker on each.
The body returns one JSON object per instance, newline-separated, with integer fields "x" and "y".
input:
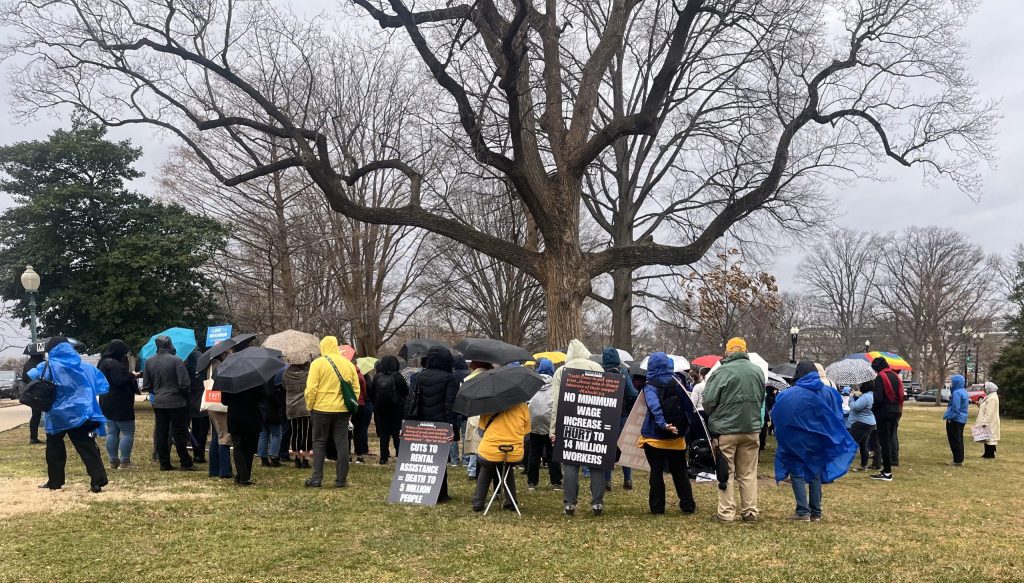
{"x": 577, "y": 357}
{"x": 988, "y": 417}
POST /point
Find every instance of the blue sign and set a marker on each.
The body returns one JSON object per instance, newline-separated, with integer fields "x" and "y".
{"x": 215, "y": 334}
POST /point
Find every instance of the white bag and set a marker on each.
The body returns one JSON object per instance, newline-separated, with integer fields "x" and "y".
{"x": 211, "y": 399}
{"x": 980, "y": 433}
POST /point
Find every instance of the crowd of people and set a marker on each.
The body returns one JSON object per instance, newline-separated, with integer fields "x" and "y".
{"x": 323, "y": 409}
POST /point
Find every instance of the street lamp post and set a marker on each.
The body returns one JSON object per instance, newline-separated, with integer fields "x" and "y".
{"x": 966, "y": 333}
{"x": 30, "y": 281}
{"x": 978, "y": 338}
{"x": 867, "y": 346}
{"x": 794, "y": 334}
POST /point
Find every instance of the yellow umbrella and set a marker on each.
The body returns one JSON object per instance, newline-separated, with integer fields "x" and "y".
{"x": 366, "y": 363}
{"x": 554, "y": 356}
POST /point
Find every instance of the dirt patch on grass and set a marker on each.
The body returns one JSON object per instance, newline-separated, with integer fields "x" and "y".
{"x": 23, "y": 496}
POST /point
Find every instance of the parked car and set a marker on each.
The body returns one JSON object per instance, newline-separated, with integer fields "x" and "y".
{"x": 928, "y": 396}
{"x": 975, "y": 393}
{"x": 8, "y": 384}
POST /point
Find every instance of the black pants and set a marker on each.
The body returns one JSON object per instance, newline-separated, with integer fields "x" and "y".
{"x": 487, "y": 476}
{"x": 200, "y": 431}
{"x": 246, "y": 443}
{"x": 896, "y": 442}
{"x": 885, "y": 425}
{"x": 540, "y": 448}
{"x": 388, "y": 425}
{"x": 175, "y": 423}
{"x": 33, "y": 424}
{"x": 955, "y": 436}
{"x": 990, "y": 451}
{"x": 85, "y": 445}
{"x": 675, "y": 460}
{"x": 861, "y": 433}
{"x": 333, "y": 426}
{"x": 361, "y": 429}
{"x": 301, "y": 435}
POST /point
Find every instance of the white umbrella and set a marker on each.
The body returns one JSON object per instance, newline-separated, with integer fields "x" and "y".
{"x": 850, "y": 373}
{"x": 754, "y": 357}
{"x": 296, "y": 347}
{"x": 679, "y": 363}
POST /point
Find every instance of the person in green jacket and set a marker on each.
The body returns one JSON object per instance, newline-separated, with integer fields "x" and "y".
{"x": 734, "y": 402}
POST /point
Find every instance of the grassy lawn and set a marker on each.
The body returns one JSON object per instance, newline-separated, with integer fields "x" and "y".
{"x": 934, "y": 523}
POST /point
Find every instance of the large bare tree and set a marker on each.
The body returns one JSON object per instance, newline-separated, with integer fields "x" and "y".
{"x": 839, "y": 275}
{"x": 890, "y": 86}
{"x": 933, "y": 285}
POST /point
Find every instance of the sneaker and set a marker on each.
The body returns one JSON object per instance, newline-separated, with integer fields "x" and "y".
{"x": 531, "y": 486}
{"x": 556, "y": 487}
{"x": 345, "y": 485}
{"x": 750, "y": 518}
{"x": 188, "y": 468}
{"x": 860, "y": 469}
{"x": 800, "y": 518}
{"x": 125, "y": 466}
{"x": 359, "y": 460}
{"x": 597, "y": 509}
{"x": 312, "y": 484}
{"x": 815, "y": 519}
{"x": 115, "y": 464}
{"x": 569, "y": 509}
{"x": 47, "y": 486}
{"x": 955, "y": 464}
{"x": 716, "y": 518}
{"x": 874, "y": 467}
{"x": 882, "y": 476}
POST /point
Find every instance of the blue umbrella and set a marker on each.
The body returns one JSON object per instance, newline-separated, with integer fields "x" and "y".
{"x": 184, "y": 340}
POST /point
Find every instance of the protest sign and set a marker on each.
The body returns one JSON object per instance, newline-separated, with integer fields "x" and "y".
{"x": 215, "y": 334}
{"x": 633, "y": 456}
{"x": 589, "y": 413}
{"x": 422, "y": 461}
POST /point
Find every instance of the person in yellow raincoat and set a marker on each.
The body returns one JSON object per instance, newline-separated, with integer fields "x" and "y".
{"x": 332, "y": 390}
{"x": 504, "y": 430}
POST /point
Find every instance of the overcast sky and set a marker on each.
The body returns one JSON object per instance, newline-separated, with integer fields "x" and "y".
{"x": 996, "y": 35}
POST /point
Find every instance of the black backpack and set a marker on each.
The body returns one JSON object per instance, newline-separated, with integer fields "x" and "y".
{"x": 385, "y": 393}
{"x": 675, "y": 412}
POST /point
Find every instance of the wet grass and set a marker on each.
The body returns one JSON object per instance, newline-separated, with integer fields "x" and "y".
{"x": 934, "y": 523}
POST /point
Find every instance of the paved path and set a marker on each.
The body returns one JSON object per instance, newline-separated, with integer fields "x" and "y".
{"x": 11, "y": 417}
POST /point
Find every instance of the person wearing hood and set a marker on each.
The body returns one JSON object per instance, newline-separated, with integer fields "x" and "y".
{"x": 300, "y": 442}
{"x": 988, "y": 417}
{"x": 540, "y": 420}
{"x": 460, "y": 370}
{"x": 813, "y": 445}
{"x": 862, "y": 422}
{"x": 388, "y": 392}
{"x": 734, "y": 401}
{"x": 669, "y": 410}
{"x": 332, "y": 391}
{"x": 501, "y": 446}
{"x": 434, "y": 389}
{"x": 888, "y": 408}
{"x": 611, "y": 362}
{"x": 118, "y": 405}
{"x": 75, "y": 413}
{"x": 199, "y": 420}
{"x": 956, "y": 417}
{"x": 577, "y": 357}
{"x": 166, "y": 377}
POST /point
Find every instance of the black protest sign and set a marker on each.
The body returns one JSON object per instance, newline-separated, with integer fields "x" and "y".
{"x": 589, "y": 412}
{"x": 422, "y": 461}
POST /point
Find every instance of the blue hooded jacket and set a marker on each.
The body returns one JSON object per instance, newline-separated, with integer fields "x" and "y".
{"x": 959, "y": 400}
{"x": 78, "y": 386}
{"x": 545, "y": 366}
{"x": 659, "y": 372}
{"x": 812, "y": 439}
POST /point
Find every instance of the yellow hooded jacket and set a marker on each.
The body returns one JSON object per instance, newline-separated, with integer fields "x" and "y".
{"x": 323, "y": 389}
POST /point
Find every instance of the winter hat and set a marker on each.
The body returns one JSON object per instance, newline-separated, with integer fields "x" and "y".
{"x": 879, "y": 364}
{"x": 736, "y": 345}
{"x": 804, "y": 368}
{"x": 991, "y": 387}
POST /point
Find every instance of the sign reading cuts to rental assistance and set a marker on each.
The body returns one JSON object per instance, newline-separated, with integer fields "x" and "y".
{"x": 589, "y": 412}
{"x": 215, "y": 334}
{"x": 422, "y": 462}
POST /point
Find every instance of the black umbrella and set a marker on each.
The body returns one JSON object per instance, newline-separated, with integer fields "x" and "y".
{"x": 786, "y": 370}
{"x": 39, "y": 348}
{"x": 419, "y": 347}
{"x": 243, "y": 341}
{"x": 213, "y": 352}
{"x": 721, "y": 470}
{"x": 493, "y": 351}
{"x": 248, "y": 368}
{"x": 497, "y": 390}
{"x": 635, "y": 369}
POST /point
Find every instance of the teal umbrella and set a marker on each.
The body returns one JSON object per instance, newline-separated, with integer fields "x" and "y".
{"x": 184, "y": 340}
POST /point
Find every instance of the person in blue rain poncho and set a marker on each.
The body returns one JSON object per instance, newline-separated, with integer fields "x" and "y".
{"x": 75, "y": 413}
{"x": 814, "y": 447}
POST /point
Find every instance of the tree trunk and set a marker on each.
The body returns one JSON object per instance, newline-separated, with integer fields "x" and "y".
{"x": 566, "y": 284}
{"x": 622, "y": 309}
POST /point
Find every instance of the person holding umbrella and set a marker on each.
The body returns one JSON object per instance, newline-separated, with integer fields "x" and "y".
{"x": 332, "y": 390}
{"x": 166, "y": 377}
